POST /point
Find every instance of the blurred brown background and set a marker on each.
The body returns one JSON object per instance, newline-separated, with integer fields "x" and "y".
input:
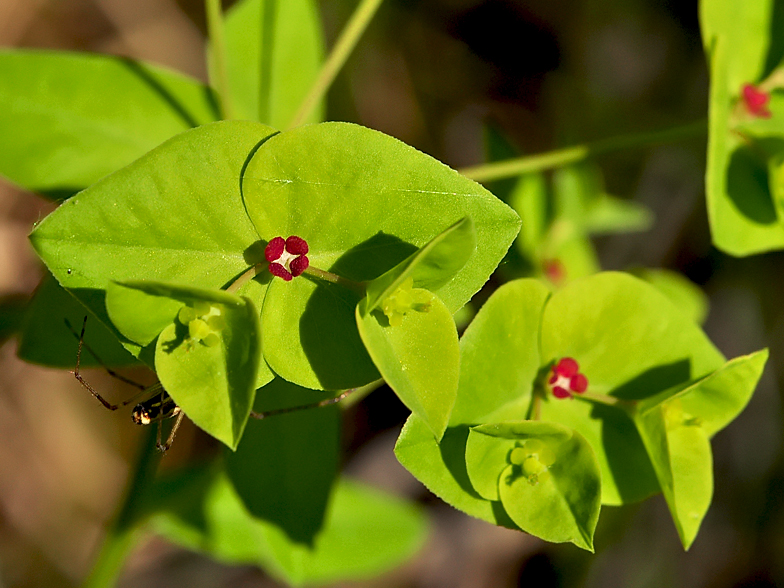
{"x": 547, "y": 73}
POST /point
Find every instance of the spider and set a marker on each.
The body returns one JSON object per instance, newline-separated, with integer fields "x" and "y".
{"x": 158, "y": 405}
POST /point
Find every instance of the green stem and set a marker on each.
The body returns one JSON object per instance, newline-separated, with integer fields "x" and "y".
{"x": 245, "y": 277}
{"x": 340, "y": 52}
{"x": 626, "y": 405}
{"x": 221, "y": 76}
{"x": 560, "y": 157}
{"x": 321, "y": 274}
{"x": 335, "y": 279}
{"x": 124, "y": 533}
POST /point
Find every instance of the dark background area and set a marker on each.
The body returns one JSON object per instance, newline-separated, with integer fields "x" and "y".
{"x": 433, "y": 73}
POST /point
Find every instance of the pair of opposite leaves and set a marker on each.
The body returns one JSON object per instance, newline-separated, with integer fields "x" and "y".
{"x": 635, "y": 347}
{"x": 215, "y": 384}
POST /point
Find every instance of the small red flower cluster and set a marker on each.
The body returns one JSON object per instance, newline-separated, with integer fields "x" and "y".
{"x": 287, "y": 257}
{"x": 567, "y": 378}
{"x": 756, "y": 101}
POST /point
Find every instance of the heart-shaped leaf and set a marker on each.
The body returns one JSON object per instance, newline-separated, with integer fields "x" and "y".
{"x": 442, "y": 468}
{"x": 547, "y": 476}
{"x": 631, "y": 342}
{"x": 419, "y": 358}
{"x": 212, "y": 375}
{"x": 681, "y": 455}
{"x": 140, "y": 309}
{"x": 176, "y": 214}
{"x": 499, "y": 355}
{"x": 364, "y": 202}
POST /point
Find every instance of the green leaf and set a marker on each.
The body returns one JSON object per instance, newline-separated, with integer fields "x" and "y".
{"x": 176, "y": 214}
{"x": 284, "y": 468}
{"x": 69, "y": 119}
{"x": 45, "y": 338}
{"x": 486, "y": 458}
{"x": 621, "y": 330}
{"x": 419, "y": 358}
{"x": 366, "y": 532}
{"x": 717, "y": 399}
{"x": 12, "y": 312}
{"x": 529, "y": 198}
{"x": 608, "y": 214}
{"x": 364, "y": 202}
{"x": 626, "y": 471}
{"x": 319, "y": 347}
{"x": 580, "y": 198}
{"x": 441, "y": 467}
{"x": 431, "y": 266}
{"x": 631, "y": 342}
{"x": 742, "y": 216}
{"x": 574, "y": 187}
{"x": 140, "y": 309}
{"x": 213, "y": 383}
{"x": 681, "y": 455}
{"x": 682, "y": 292}
{"x": 499, "y": 355}
{"x": 274, "y": 51}
{"x": 676, "y": 431}
{"x": 552, "y": 490}
{"x": 743, "y": 26}
{"x": 139, "y": 316}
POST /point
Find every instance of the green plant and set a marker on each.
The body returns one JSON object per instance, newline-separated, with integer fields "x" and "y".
{"x": 257, "y": 268}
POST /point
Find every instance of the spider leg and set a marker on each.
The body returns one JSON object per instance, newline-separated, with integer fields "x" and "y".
{"x": 142, "y": 388}
{"x": 327, "y": 402}
{"x": 164, "y": 447}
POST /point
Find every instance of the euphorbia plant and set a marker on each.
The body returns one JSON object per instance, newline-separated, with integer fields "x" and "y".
{"x": 597, "y": 372}
{"x": 257, "y": 268}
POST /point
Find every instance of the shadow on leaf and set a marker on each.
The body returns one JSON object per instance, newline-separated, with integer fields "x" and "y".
{"x": 747, "y": 186}
{"x": 655, "y": 380}
{"x": 328, "y": 329}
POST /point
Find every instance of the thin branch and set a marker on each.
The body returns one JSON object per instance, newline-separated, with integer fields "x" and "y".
{"x": 569, "y": 155}
{"x": 340, "y": 52}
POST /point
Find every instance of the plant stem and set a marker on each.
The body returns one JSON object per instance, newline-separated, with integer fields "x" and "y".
{"x": 626, "y": 405}
{"x": 335, "y": 279}
{"x": 536, "y": 408}
{"x": 560, "y": 157}
{"x": 218, "y": 45}
{"x": 340, "y": 52}
{"x": 321, "y": 274}
{"x": 124, "y": 533}
{"x": 245, "y": 277}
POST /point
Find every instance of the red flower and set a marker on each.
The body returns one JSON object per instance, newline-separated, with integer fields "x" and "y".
{"x": 287, "y": 258}
{"x": 567, "y": 379}
{"x": 554, "y": 269}
{"x": 756, "y": 101}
